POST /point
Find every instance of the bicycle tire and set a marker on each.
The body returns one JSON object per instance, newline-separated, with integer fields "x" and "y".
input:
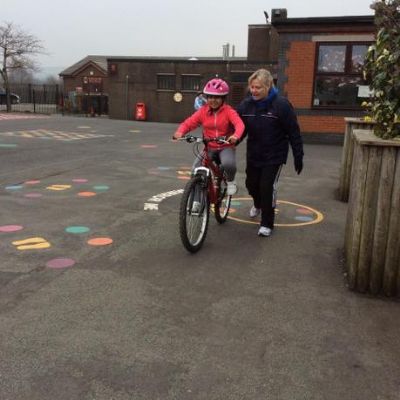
{"x": 193, "y": 225}
{"x": 223, "y": 203}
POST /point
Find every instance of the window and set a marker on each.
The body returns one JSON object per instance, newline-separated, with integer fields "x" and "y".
{"x": 191, "y": 82}
{"x": 166, "y": 81}
{"x": 338, "y": 75}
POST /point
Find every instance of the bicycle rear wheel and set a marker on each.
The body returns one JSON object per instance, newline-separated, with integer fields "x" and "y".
{"x": 194, "y": 214}
{"x": 223, "y": 203}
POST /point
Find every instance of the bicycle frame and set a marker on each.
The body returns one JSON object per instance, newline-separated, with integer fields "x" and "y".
{"x": 212, "y": 171}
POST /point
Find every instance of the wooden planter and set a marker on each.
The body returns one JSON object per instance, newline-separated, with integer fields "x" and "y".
{"x": 372, "y": 236}
{"x": 347, "y": 154}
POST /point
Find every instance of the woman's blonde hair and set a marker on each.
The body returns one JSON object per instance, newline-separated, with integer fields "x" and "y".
{"x": 264, "y": 76}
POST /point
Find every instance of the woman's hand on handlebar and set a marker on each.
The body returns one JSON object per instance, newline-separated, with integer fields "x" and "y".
{"x": 232, "y": 139}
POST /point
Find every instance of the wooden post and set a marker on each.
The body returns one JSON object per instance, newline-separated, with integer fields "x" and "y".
{"x": 348, "y": 154}
{"x": 372, "y": 234}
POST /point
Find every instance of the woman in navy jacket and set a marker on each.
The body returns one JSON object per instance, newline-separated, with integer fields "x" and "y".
{"x": 270, "y": 125}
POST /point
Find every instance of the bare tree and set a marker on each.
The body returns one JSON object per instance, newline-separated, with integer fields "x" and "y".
{"x": 16, "y": 51}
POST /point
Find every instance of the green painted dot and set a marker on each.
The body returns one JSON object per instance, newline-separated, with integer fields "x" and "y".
{"x": 101, "y": 187}
{"x": 77, "y": 229}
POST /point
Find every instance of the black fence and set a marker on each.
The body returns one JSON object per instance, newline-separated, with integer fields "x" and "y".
{"x": 49, "y": 99}
{"x": 43, "y": 99}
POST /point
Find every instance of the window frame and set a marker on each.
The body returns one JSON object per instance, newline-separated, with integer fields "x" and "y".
{"x": 347, "y": 73}
{"x": 192, "y": 90}
{"x": 166, "y": 75}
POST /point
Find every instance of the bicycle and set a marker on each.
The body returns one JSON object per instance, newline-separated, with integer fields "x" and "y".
{"x": 208, "y": 185}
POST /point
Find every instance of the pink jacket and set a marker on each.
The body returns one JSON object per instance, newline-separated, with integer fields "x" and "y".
{"x": 224, "y": 122}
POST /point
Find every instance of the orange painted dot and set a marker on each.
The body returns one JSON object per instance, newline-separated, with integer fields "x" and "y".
{"x": 100, "y": 241}
{"x": 86, "y": 194}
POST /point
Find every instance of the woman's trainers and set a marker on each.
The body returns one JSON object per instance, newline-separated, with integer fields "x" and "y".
{"x": 264, "y": 231}
{"x": 254, "y": 212}
{"x": 232, "y": 188}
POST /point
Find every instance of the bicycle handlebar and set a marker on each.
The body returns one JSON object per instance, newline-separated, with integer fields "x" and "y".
{"x": 196, "y": 139}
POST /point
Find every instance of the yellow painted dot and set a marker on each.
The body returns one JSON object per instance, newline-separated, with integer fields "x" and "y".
{"x": 58, "y": 187}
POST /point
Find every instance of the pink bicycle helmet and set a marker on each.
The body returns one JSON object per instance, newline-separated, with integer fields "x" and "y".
{"x": 216, "y": 87}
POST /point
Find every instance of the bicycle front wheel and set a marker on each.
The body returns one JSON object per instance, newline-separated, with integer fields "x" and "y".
{"x": 223, "y": 203}
{"x": 194, "y": 214}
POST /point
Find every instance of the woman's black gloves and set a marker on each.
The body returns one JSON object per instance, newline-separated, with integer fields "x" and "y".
{"x": 298, "y": 164}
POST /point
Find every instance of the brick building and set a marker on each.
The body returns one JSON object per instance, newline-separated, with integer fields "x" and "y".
{"x": 320, "y": 68}
{"x": 317, "y": 63}
{"x": 86, "y": 86}
{"x": 168, "y": 86}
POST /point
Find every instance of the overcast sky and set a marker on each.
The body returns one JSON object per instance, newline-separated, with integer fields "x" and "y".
{"x": 73, "y": 29}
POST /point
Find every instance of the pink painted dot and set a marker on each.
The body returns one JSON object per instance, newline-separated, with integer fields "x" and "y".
{"x": 33, "y": 195}
{"x": 183, "y": 178}
{"x": 33, "y": 182}
{"x": 11, "y": 228}
{"x": 304, "y": 211}
{"x": 79, "y": 180}
{"x": 58, "y": 263}
{"x": 148, "y": 146}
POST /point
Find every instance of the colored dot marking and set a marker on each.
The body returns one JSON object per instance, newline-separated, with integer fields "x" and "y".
{"x": 32, "y": 244}
{"x": 310, "y": 221}
{"x": 14, "y": 187}
{"x": 134, "y": 131}
{"x": 303, "y": 218}
{"x": 148, "y": 146}
{"x": 58, "y": 263}
{"x": 77, "y": 229}
{"x": 8, "y": 145}
{"x": 163, "y": 168}
{"x": 183, "y": 178}
{"x": 33, "y": 195}
{"x": 304, "y": 211}
{"x": 236, "y": 203}
{"x": 84, "y": 127}
{"x": 100, "y": 241}
{"x": 58, "y": 187}
{"x": 32, "y": 182}
{"x": 101, "y": 188}
{"x": 86, "y": 194}
{"x": 11, "y": 228}
{"x": 79, "y": 180}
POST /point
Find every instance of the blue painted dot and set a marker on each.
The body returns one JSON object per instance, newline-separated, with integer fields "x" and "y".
{"x": 77, "y": 229}
{"x": 303, "y": 218}
{"x": 100, "y": 188}
{"x": 14, "y": 187}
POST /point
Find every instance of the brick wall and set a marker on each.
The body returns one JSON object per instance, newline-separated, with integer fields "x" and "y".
{"x": 300, "y": 62}
{"x": 321, "y": 124}
{"x": 300, "y": 70}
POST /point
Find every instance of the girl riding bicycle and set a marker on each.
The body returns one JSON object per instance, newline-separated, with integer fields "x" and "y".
{"x": 218, "y": 119}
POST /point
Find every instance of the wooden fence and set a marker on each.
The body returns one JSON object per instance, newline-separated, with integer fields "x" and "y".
{"x": 347, "y": 154}
{"x": 372, "y": 236}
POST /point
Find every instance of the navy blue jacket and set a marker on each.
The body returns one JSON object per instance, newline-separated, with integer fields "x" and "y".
{"x": 270, "y": 126}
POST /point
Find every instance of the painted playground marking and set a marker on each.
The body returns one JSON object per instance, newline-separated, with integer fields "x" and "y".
{"x": 302, "y": 214}
{"x": 54, "y": 134}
